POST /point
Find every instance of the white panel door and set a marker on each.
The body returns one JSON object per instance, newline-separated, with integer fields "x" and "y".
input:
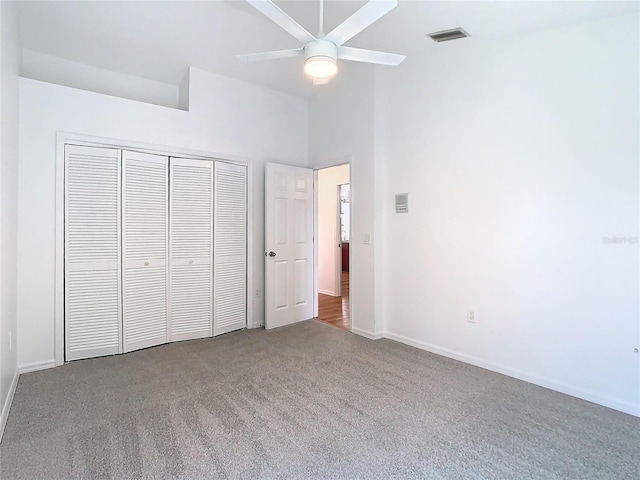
{"x": 190, "y": 247}
{"x": 92, "y": 252}
{"x": 288, "y": 244}
{"x": 230, "y": 248}
{"x": 145, "y": 243}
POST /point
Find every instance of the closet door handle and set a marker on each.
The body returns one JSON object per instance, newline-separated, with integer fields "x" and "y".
{"x": 272, "y": 254}
{"x": 146, "y": 264}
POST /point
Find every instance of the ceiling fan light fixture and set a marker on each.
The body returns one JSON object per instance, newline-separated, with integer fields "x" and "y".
{"x": 320, "y": 68}
{"x": 320, "y": 61}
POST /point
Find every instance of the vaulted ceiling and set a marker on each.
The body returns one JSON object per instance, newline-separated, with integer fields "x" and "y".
{"x": 160, "y": 40}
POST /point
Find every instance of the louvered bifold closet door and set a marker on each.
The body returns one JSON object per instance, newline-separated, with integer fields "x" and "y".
{"x": 230, "y": 248}
{"x": 190, "y": 247}
{"x": 145, "y": 244}
{"x": 92, "y": 252}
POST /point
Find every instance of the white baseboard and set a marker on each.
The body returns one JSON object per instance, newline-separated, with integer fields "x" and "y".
{"x": 7, "y": 403}
{"x": 574, "y": 391}
{"x": 327, "y": 292}
{"x": 35, "y": 366}
{"x": 367, "y": 334}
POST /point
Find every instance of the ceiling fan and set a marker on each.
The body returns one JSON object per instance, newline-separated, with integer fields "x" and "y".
{"x": 322, "y": 51}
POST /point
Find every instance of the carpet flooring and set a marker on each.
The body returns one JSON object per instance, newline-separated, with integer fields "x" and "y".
{"x": 304, "y": 401}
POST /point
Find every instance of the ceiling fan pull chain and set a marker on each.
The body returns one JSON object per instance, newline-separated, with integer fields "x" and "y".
{"x": 321, "y": 33}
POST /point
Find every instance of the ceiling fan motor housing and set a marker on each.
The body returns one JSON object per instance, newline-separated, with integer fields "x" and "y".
{"x": 321, "y": 48}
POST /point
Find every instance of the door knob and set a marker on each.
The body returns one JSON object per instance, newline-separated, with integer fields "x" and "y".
{"x": 272, "y": 254}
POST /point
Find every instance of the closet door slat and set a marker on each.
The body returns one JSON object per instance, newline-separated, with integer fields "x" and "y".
{"x": 191, "y": 236}
{"x": 92, "y": 252}
{"x": 230, "y": 248}
{"x": 145, "y": 244}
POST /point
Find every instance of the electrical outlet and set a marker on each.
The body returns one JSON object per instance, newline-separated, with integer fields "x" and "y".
{"x": 256, "y": 293}
{"x": 471, "y": 316}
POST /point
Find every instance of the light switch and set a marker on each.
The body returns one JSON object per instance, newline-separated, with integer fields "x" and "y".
{"x": 366, "y": 239}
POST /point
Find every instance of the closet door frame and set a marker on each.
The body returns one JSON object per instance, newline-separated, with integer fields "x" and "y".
{"x": 70, "y": 138}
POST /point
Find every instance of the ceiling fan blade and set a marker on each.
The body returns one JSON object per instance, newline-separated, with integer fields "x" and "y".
{"x": 370, "y": 56}
{"x": 257, "y": 57}
{"x": 278, "y": 16}
{"x": 360, "y": 20}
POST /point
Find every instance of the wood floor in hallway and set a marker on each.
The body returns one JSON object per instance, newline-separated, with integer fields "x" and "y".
{"x": 335, "y": 310}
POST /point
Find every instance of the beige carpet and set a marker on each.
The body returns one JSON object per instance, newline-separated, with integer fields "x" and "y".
{"x": 305, "y": 401}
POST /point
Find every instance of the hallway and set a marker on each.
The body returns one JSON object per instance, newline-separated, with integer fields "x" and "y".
{"x": 335, "y": 310}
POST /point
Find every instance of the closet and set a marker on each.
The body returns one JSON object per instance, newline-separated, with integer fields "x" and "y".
{"x": 155, "y": 250}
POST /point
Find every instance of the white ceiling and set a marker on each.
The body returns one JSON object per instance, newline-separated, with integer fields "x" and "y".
{"x": 159, "y": 40}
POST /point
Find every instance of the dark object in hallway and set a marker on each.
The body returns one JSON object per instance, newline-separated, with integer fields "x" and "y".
{"x": 345, "y": 257}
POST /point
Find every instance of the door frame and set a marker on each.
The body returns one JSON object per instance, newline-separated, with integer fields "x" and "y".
{"x": 336, "y": 162}
{"x": 337, "y": 264}
{"x": 64, "y": 138}
{"x": 338, "y": 275}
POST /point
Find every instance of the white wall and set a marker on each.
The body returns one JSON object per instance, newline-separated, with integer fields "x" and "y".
{"x": 226, "y": 116}
{"x": 519, "y": 156}
{"x": 9, "y": 68}
{"x": 341, "y": 124}
{"x": 328, "y": 226}
{"x": 48, "y": 68}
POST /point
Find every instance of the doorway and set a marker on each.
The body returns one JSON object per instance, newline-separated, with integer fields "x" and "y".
{"x": 334, "y": 230}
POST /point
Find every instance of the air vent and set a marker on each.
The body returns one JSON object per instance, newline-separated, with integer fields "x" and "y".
{"x": 447, "y": 35}
{"x": 402, "y": 203}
